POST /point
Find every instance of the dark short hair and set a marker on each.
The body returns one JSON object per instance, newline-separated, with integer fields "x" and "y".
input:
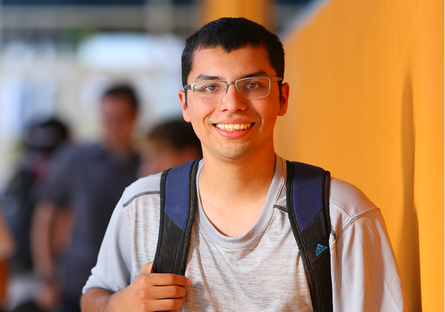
{"x": 178, "y": 133}
{"x": 124, "y": 90}
{"x": 231, "y": 34}
{"x": 46, "y": 134}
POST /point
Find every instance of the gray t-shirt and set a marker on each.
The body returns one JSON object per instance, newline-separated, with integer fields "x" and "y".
{"x": 261, "y": 270}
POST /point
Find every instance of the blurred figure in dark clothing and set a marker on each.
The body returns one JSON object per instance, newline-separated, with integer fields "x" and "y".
{"x": 80, "y": 201}
{"x": 167, "y": 145}
{"x": 45, "y": 143}
{"x": 7, "y": 248}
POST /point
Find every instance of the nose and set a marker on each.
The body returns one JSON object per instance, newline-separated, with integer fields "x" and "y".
{"x": 233, "y": 101}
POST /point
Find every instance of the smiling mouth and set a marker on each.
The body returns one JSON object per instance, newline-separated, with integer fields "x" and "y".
{"x": 233, "y": 127}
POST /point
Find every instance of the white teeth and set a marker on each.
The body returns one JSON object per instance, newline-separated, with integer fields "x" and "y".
{"x": 233, "y": 127}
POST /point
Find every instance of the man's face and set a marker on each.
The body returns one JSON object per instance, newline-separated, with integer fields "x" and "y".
{"x": 258, "y": 116}
{"x": 117, "y": 121}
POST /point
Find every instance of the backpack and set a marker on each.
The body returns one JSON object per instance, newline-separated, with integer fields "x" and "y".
{"x": 307, "y": 201}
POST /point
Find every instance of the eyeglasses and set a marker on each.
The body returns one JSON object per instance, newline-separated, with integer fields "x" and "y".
{"x": 213, "y": 91}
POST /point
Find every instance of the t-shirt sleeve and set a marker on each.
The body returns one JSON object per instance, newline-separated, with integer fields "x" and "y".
{"x": 364, "y": 269}
{"x": 114, "y": 262}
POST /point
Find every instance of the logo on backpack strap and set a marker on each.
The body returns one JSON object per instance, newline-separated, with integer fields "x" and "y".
{"x": 320, "y": 249}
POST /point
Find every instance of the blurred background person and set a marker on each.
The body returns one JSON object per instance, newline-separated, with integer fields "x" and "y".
{"x": 167, "y": 145}
{"x": 7, "y": 248}
{"x": 70, "y": 222}
{"x": 46, "y": 142}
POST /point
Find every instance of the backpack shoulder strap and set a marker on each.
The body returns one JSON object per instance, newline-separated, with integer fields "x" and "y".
{"x": 307, "y": 196}
{"x": 178, "y": 202}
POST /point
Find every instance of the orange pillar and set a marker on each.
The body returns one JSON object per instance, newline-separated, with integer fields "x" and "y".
{"x": 367, "y": 103}
{"x": 255, "y": 10}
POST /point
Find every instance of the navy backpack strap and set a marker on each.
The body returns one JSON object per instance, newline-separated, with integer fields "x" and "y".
{"x": 178, "y": 202}
{"x": 307, "y": 196}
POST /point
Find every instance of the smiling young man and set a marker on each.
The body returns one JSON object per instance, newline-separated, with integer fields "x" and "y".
{"x": 242, "y": 255}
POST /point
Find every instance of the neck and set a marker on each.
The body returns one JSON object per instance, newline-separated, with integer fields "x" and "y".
{"x": 117, "y": 149}
{"x": 238, "y": 176}
{"x": 233, "y": 192}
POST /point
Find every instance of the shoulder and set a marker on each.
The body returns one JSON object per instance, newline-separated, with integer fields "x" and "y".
{"x": 143, "y": 187}
{"x": 140, "y": 208}
{"x": 86, "y": 148}
{"x": 82, "y": 152}
{"x": 348, "y": 204}
{"x": 349, "y": 198}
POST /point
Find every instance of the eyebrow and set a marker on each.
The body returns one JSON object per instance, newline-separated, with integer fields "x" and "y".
{"x": 204, "y": 77}
{"x": 256, "y": 74}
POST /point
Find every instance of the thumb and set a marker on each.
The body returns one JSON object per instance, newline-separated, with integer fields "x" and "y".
{"x": 147, "y": 268}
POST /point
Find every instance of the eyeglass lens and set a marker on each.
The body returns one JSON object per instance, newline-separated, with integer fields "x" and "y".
{"x": 215, "y": 91}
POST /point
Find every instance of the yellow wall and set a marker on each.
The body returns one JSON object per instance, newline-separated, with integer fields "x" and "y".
{"x": 255, "y": 10}
{"x": 367, "y": 103}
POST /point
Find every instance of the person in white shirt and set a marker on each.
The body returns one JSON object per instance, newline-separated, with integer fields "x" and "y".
{"x": 242, "y": 254}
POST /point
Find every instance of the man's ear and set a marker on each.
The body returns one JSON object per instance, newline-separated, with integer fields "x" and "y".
{"x": 183, "y": 100}
{"x": 285, "y": 88}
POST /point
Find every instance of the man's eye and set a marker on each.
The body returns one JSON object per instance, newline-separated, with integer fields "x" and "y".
{"x": 252, "y": 86}
{"x": 207, "y": 88}
{"x": 211, "y": 88}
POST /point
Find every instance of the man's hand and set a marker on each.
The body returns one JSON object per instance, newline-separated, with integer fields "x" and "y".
{"x": 148, "y": 292}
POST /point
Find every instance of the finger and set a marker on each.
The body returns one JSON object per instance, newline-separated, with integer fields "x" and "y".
{"x": 169, "y": 304}
{"x": 147, "y": 268}
{"x": 161, "y": 279}
{"x": 168, "y": 292}
{"x": 164, "y": 279}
